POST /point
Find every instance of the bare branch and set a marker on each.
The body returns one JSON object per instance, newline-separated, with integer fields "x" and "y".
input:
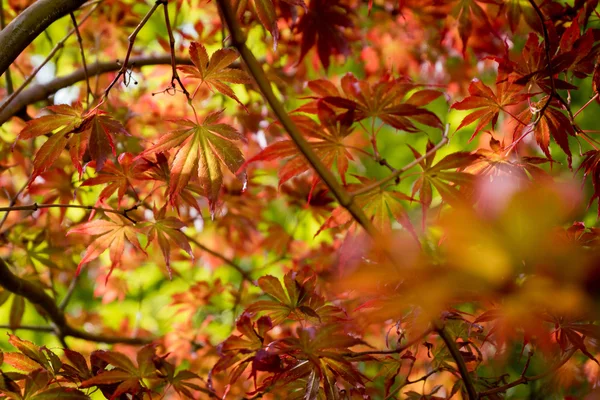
{"x": 123, "y": 70}
{"x": 87, "y": 76}
{"x": 175, "y": 76}
{"x": 29, "y": 24}
{"x": 242, "y": 272}
{"x": 397, "y": 350}
{"x": 35, "y": 207}
{"x": 524, "y": 379}
{"x": 41, "y": 92}
{"x": 57, "y": 47}
{"x": 36, "y": 295}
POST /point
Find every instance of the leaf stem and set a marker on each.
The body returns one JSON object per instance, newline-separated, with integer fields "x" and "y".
{"x": 245, "y": 275}
{"x": 402, "y": 170}
{"x": 397, "y": 350}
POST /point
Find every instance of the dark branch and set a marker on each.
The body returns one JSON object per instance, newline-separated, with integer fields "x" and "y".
{"x": 36, "y": 295}
{"x": 29, "y": 24}
{"x": 42, "y": 91}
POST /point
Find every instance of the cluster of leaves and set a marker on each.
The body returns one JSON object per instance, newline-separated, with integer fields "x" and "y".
{"x": 41, "y": 374}
{"x": 448, "y": 246}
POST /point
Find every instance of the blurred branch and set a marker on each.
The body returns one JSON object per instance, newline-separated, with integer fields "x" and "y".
{"x": 8, "y": 76}
{"x": 36, "y": 295}
{"x": 524, "y": 379}
{"x": 239, "y": 269}
{"x": 458, "y": 359}
{"x": 397, "y": 350}
{"x": 58, "y": 46}
{"x": 35, "y": 207}
{"x": 41, "y": 92}
{"x": 238, "y": 40}
{"x": 22, "y": 30}
{"x": 33, "y": 328}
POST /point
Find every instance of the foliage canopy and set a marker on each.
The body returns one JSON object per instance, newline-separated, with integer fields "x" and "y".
{"x": 300, "y": 199}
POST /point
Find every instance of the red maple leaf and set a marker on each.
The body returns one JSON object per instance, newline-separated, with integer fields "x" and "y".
{"x": 323, "y": 25}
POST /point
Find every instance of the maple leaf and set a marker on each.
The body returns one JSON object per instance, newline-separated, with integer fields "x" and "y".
{"x": 215, "y": 72}
{"x": 324, "y": 348}
{"x": 248, "y": 348}
{"x": 128, "y": 377}
{"x": 383, "y": 99}
{"x": 111, "y": 234}
{"x": 56, "y": 185}
{"x": 552, "y": 123}
{"x": 265, "y": 11}
{"x": 202, "y": 147}
{"x": 591, "y": 168}
{"x": 119, "y": 178}
{"x": 298, "y": 300}
{"x": 167, "y": 231}
{"x": 326, "y": 139}
{"x": 78, "y": 130}
{"x": 323, "y": 25}
{"x": 488, "y": 105}
{"x": 465, "y": 12}
{"x": 449, "y": 183}
{"x": 515, "y": 9}
{"x": 381, "y": 205}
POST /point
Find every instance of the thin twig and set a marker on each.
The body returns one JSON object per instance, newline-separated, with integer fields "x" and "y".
{"x": 13, "y": 201}
{"x": 33, "y": 328}
{"x": 41, "y": 92}
{"x": 87, "y": 76}
{"x": 399, "y": 172}
{"x": 460, "y": 362}
{"x": 131, "y": 39}
{"x": 245, "y": 275}
{"x": 238, "y": 40}
{"x": 56, "y": 48}
{"x": 524, "y": 379}
{"x": 540, "y": 15}
{"x": 585, "y": 105}
{"x": 175, "y": 76}
{"x": 35, "y": 207}
{"x": 65, "y": 301}
{"x": 397, "y": 350}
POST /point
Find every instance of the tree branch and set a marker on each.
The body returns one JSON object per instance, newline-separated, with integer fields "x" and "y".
{"x": 242, "y": 272}
{"x": 29, "y": 24}
{"x": 41, "y": 92}
{"x": 238, "y": 40}
{"x": 36, "y": 206}
{"x": 524, "y": 379}
{"x": 36, "y": 295}
{"x": 54, "y": 50}
{"x": 460, "y": 362}
{"x": 397, "y": 350}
